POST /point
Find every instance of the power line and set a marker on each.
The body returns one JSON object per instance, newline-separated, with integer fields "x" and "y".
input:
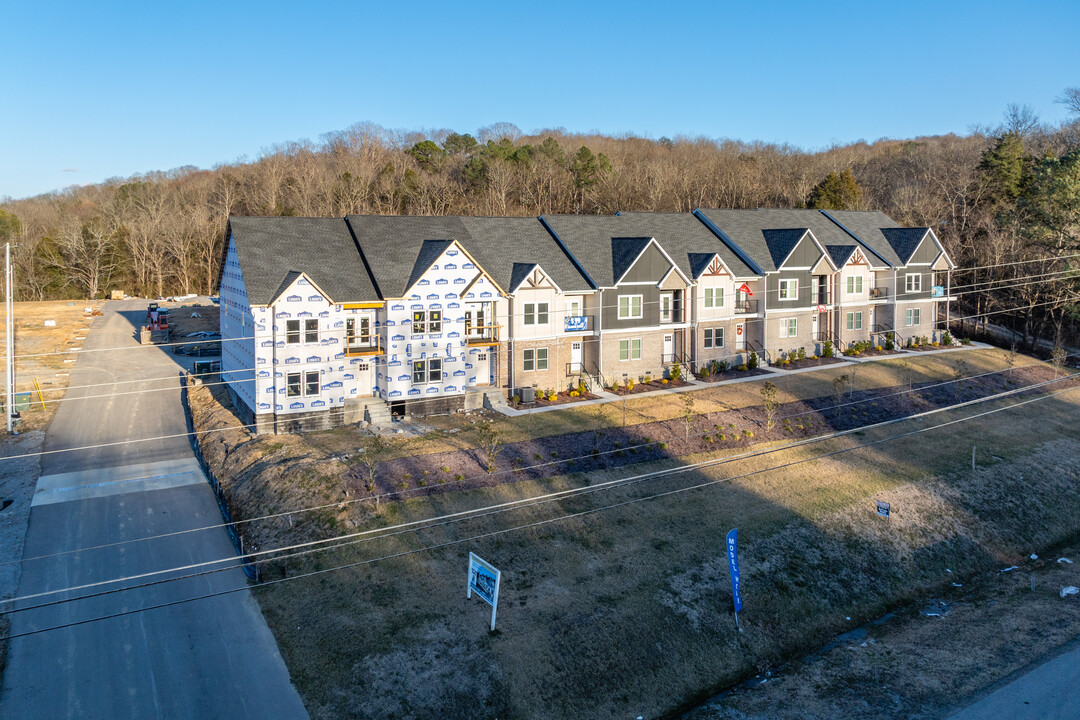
{"x": 401, "y": 493}
{"x": 525, "y": 526}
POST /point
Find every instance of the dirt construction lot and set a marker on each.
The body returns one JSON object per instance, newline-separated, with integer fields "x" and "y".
{"x": 616, "y": 600}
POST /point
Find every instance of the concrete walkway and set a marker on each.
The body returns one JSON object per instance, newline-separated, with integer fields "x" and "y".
{"x": 1049, "y": 692}
{"x": 695, "y": 384}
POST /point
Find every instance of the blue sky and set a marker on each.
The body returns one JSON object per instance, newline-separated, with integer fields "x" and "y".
{"x": 103, "y": 89}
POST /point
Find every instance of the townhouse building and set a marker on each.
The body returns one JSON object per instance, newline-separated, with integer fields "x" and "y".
{"x": 327, "y": 321}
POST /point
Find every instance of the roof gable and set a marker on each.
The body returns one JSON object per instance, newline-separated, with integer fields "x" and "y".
{"x": 904, "y": 241}
{"x": 625, "y": 252}
{"x": 430, "y": 252}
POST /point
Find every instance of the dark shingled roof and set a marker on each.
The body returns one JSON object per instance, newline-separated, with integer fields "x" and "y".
{"x": 601, "y": 243}
{"x": 503, "y": 243}
{"x": 869, "y": 228}
{"x": 904, "y": 240}
{"x": 395, "y": 245}
{"x": 840, "y": 253}
{"x": 273, "y": 251}
{"x": 746, "y": 229}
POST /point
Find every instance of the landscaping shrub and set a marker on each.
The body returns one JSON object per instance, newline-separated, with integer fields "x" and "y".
{"x": 752, "y": 361}
{"x": 827, "y": 351}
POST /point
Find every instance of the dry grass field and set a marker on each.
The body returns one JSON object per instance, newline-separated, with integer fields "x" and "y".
{"x": 623, "y": 608}
{"x": 47, "y": 353}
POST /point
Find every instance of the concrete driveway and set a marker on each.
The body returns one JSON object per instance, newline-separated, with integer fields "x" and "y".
{"x": 212, "y": 658}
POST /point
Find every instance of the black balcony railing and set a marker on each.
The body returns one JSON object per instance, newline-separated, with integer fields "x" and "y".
{"x": 879, "y": 293}
{"x": 745, "y": 307}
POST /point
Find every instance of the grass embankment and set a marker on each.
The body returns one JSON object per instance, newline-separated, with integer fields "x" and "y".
{"x": 627, "y": 611}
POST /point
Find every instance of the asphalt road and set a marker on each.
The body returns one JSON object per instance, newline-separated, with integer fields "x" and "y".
{"x": 1046, "y": 693}
{"x": 212, "y": 658}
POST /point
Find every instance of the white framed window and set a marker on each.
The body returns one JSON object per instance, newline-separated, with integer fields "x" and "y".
{"x": 789, "y": 327}
{"x": 629, "y": 307}
{"x": 714, "y": 297}
{"x": 913, "y": 316}
{"x": 714, "y": 337}
{"x": 573, "y": 307}
{"x": 913, "y": 283}
{"x": 535, "y": 359}
{"x": 536, "y": 313}
{"x": 854, "y": 320}
{"x": 305, "y": 383}
{"x": 292, "y": 332}
{"x": 427, "y": 372}
{"x": 427, "y": 321}
{"x": 789, "y": 289}
{"x": 854, "y": 285}
{"x": 630, "y": 349}
{"x": 666, "y": 301}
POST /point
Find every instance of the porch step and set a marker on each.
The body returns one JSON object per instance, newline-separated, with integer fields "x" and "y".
{"x": 494, "y": 399}
{"x": 368, "y": 409}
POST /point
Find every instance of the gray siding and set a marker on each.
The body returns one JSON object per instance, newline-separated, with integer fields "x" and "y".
{"x": 901, "y": 283}
{"x": 805, "y": 254}
{"x": 772, "y": 288}
{"x": 927, "y": 252}
{"x": 650, "y": 267}
{"x": 650, "y": 309}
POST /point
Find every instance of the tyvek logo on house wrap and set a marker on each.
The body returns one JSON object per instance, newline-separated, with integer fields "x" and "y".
{"x": 733, "y": 563}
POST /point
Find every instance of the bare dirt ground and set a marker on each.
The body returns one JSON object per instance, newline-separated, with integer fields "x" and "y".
{"x": 623, "y": 608}
{"x": 927, "y": 659}
{"x": 47, "y": 353}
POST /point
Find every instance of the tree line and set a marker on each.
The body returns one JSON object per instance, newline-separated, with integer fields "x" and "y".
{"x": 995, "y": 196}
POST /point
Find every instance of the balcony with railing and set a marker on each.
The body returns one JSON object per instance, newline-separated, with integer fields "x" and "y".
{"x": 879, "y": 294}
{"x": 745, "y": 307}
{"x": 481, "y": 334}
{"x": 362, "y": 344}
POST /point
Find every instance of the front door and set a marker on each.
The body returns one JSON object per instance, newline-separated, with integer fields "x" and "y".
{"x": 740, "y": 337}
{"x": 669, "y": 349}
{"x": 577, "y": 363}
{"x": 482, "y": 368}
{"x": 364, "y": 384}
{"x": 814, "y": 324}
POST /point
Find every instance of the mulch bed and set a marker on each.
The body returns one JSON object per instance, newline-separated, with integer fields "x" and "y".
{"x": 562, "y": 398}
{"x": 734, "y": 375}
{"x": 592, "y": 450}
{"x": 927, "y": 348}
{"x": 649, "y": 387}
{"x": 808, "y": 363}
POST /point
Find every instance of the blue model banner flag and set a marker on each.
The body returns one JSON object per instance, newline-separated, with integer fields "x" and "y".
{"x": 577, "y": 323}
{"x": 733, "y": 562}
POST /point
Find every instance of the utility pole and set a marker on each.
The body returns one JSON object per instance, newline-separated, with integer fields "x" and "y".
{"x": 9, "y": 345}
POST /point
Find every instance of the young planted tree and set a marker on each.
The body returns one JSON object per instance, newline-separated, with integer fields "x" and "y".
{"x": 687, "y": 411}
{"x": 372, "y": 449}
{"x": 960, "y": 372}
{"x": 1057, "y": 357}
{"x": 490, "y": 441}
{"x": 838, "y": 385}
{"x": 1010, "y": 361}
{"x": 768, "y": 397}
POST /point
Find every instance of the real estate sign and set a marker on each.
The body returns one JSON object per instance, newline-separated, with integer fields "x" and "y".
{"x": 577, "y": 322}
{"x": 937, "y": 291}
{"x": 484, "y": 581}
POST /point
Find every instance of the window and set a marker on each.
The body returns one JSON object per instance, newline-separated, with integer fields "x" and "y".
{"x": 854, "y": 320}
{"x": 629, "y": 307}
{"x": 854, "y": 285}
{"x": 292, "y": 333}
{"x": 789, "y": 327}
{"x": 311, "y": 331}
{"x": 630, "y": 349}
{"x": 573, "y": 308}
{"x": 714, "y": 337}
{"x": 914, "y": 283}
{"x": 714, "y": 297}
{"x": 665, "y": 307}
{"x": 427, "y": 371}
{"x": 427, "y": 321}
{"x": 536, "y": 359}
{"x": 913, "y": 315}
{"x": 536, "y": 313}
{"x": 306, "y": 383}
{"x": 789, "y": 289}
